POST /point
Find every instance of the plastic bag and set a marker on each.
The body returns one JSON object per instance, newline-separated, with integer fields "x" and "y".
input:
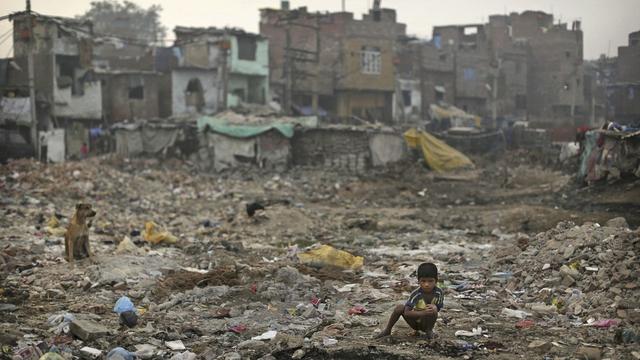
{"x": 155, "y": 237}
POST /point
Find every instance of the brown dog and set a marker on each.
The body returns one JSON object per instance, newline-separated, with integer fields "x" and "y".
{"x": 76, "y": 239}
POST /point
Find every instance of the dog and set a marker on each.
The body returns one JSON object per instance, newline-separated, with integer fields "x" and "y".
{"x": 76, "y": 239}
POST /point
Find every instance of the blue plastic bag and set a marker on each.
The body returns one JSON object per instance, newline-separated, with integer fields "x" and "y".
{"x": 124, "y": 304}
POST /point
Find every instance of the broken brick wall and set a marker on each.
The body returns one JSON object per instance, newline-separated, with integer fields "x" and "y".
{"x": 339, "y": 148}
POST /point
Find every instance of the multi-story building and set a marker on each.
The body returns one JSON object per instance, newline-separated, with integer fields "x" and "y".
{"x": 333, "y": 62}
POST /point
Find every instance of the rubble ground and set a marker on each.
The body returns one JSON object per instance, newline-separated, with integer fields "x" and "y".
{"x": 530, "y": 263}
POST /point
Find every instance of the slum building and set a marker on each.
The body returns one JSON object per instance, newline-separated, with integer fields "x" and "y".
{"x": 68, "y": 94}
{"x": 623, "y": 94}
{"x": 332, "y": 63}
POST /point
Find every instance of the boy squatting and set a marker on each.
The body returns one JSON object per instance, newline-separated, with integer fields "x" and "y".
{"x": 421, "y": 310}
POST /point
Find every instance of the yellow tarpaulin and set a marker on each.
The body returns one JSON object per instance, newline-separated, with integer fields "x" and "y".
{"x": 327, "y": 255}
{"x": 439, "y": 156}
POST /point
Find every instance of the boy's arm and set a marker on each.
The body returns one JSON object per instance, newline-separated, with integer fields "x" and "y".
{"x": 412, "y": 314}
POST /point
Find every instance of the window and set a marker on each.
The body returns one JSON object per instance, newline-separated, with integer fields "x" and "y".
{"x": 370, "y": 60}
{"x": 406, "y": 97}
{"x": 437, "y": 41}
{"x": 469, "y": 74}
{"x": 246, "y": 48}
{"x": 567, "y": 54}
{"x": 472, "y": 30}
{"x": 136, "y": 87}
{"x": 521, "y": 102}
{"x": 443, "y": 57}
{"x": 566, "y": 86}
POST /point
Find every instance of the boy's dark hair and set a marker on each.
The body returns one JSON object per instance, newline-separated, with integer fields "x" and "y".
{"x": 427, "y": 270}
{"x": 129, "y": 318}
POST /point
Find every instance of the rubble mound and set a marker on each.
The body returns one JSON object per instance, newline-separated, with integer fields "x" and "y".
{"x": 582, "y": 271}
{"x": 185, "y": 280}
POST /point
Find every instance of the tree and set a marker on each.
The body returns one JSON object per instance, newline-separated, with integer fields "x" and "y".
{"x": 126, "y": 20}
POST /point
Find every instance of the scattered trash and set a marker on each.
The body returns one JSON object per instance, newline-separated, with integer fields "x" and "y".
{"x": 326, "y": 341}
{"x": 187, "y": 355}
{"x": 238, "y": 329}
{"x": 345, "y": 288}
{"x": 61, "y": 323}
{"x": 475, "y": 332}
{"x": 90, "y": 352}
{"x": 266, "y": 336}
{"x": 525, "y": 324}
{"x": 152, "y": 236}
{"x": 626, "y": 336}
{"x": 606, "y": 323}
{"x": 53, "y": 356}
{"x": 127, "y": 312}
{"x": 120, "y": 354}
{"x": 326, "y": 255}
{"x": 357, "y": 310}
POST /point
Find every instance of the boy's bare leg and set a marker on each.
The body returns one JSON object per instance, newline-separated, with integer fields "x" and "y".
{"x": 427, "y": 323}
{"x": 393, "y": 319}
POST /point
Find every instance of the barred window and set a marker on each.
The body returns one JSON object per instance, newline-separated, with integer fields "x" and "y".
{"x": 371, "y": 60}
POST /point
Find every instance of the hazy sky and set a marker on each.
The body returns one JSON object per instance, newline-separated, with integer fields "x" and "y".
{"x": 606, "y": 23}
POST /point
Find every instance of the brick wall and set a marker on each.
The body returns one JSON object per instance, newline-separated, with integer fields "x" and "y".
{"x": 341, "y": 149}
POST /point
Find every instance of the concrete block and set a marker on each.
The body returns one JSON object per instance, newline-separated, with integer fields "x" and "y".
{"x": 87, "y": 330}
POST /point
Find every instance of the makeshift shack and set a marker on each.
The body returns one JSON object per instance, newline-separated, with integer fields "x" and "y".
{"x": 609, "y": 155}
{"x": 225, "y": 144}
{"x": 148, "y": 138}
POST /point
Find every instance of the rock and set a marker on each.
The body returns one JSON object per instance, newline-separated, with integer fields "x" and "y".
{"x": 175, "y": 345}
{"x": 567, "y": 271}
{"x": 289, "y": 276}
{"x": 145, "y": 351}
{"x": 255, "y": 345}
{"x": 7, "y": 307}
{"x": 298, "y": 354}
{"x": 232, "y": 356}
{"x": 618, "y": 222}
{"x": 87, "y": 329}
{"x": 539, "y": 308}
{"x": 589, "y": 353}
{"x": 187, "y": 355}
{"x": 540, "y": 346}
{"x": 90, "y": 353}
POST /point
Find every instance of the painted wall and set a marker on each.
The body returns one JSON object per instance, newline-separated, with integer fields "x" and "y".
{"x": 259, "y": 66}
{"x": 180, "y": 79}
{"x": 87, "y": 106}
{"x": 121, "y": 107}
{"x": 410, "y": 111}
{"x": 352, "y": 76}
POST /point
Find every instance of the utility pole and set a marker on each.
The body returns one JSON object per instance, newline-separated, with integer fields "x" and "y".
{"x": 32, "y": 90}
{"x": 494, "y": 91}
{"x": 316, "y": 75}
{"x": 288, "y": 64}
{"x": 421, "y": 73}
{"x": 225, "y": 45}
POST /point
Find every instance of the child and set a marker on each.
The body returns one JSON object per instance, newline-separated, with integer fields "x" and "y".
{"x": 421, "y": 310}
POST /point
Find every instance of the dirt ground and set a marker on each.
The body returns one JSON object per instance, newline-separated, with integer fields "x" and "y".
{"x": 504, "y": 236}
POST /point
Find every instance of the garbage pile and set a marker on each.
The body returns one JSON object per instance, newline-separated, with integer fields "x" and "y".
{"x": 582, "y": 272}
